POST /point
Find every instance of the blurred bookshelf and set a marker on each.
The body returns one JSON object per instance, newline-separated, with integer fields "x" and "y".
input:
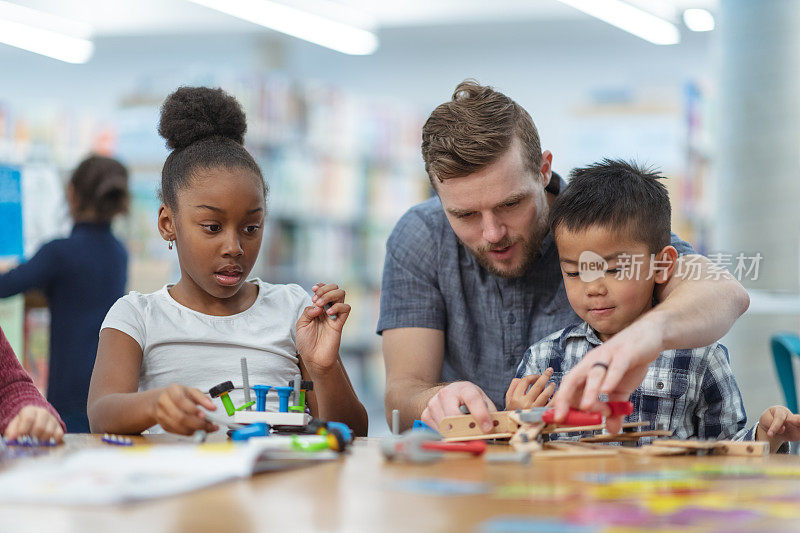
{"x": 696, "y": 204}
{"x": 668, "y": 130}
{"x": 43, "y": 142}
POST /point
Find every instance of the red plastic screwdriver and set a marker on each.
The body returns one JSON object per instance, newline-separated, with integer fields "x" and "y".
{"x": 476, "y": 447}
{"x": 576, "y": 417}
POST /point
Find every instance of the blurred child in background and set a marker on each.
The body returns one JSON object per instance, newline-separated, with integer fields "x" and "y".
{"x": 81, "y": 276}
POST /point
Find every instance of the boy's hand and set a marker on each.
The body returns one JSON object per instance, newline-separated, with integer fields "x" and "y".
{"x": 36, "y": 422}
{"x": 177, "y": 410}
{"x": 778, "y": 425}
{"x": 318, "y": 333}
{"x": 530, "y": 391}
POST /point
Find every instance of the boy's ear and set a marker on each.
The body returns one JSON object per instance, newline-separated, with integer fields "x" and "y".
{"x": 166, "y": 223}
{"x": 667, "y": 259}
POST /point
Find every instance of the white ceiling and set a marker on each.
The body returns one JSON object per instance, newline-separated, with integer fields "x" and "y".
{"x": 148, "y": 17}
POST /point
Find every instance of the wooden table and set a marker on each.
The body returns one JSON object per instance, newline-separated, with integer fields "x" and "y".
{"x": 354, "y": 493}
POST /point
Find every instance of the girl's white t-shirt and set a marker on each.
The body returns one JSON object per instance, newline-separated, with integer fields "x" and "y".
{"x": 181, "y": 345}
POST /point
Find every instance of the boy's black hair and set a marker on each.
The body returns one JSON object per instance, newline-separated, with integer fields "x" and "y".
{"x": 100, "y": 186}
{"x": 205, "y": 128}
{"x": 618, "y": 195}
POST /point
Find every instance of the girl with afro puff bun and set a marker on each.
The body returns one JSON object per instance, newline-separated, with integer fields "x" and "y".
{"x": 159, "y": 352}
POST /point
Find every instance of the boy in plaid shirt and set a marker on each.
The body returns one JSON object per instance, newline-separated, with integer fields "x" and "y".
{"x": 612, "y": 229}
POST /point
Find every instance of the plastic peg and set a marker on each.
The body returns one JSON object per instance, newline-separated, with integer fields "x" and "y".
{"x": 283, "y": 398}
{"x": 261, "y": 396}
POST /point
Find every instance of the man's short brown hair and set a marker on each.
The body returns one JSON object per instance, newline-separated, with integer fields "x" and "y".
{"x": 473, "y": 130}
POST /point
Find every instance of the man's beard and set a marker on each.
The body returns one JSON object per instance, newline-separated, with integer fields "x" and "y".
{"x": 530, "y": 250}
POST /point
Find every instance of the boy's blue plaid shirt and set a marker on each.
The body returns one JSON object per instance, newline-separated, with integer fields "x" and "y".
{"x": 692, "y": 392}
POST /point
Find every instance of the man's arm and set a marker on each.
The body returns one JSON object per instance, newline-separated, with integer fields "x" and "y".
{"x": 414, "y": 358}
{"x": 694, "y": 311}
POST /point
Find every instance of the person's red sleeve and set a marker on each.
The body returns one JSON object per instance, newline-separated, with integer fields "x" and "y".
{"x": 16, "y": 388}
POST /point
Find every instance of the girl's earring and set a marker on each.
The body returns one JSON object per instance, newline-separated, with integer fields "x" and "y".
{"x": 170, "y": 245}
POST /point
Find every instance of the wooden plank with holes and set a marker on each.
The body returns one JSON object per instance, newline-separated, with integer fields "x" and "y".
{"x": 598, "y": 427}
{"x": 646, "y": 451}
{"x": 624, "y": 437}
{"x": 642, "y": 451}
{"x": 455, "y": 427}
{"x": 719, "y": 447}
{"x": 491, "y": 436}
{"x": 558, "y": 454}
{"x": 686, "y": 444}
{"x": 570, "y": 450}
{"x": 654, "y": 451}
{"x": 745, "y": 449}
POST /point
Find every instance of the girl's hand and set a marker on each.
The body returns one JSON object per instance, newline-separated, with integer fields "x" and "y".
{"x": 530, "y": 391}
{"x": 177, "y": 410}
{"x": 778, "y": 425}
{"x": 36, "y": 422}
{"x": 318, "y": 332}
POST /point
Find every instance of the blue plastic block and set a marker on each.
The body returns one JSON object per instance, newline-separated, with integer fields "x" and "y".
{"x": 258, "y": 429}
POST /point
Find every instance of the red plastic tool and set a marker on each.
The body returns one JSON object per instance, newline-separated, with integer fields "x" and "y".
{"x": 620, "y": 408}
{"x": 477, "y": 447}
{"x": 576, "y": 417}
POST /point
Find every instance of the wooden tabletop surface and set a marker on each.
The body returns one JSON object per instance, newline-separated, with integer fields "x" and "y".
{"x": 355, "y": 493}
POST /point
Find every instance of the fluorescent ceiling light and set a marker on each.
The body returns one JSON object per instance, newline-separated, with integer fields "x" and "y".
{"x": 299, "y": 23}
{"x": 698, "y": 19}
{"x": 629, "y": 18}
{"x": 45, "y": 34}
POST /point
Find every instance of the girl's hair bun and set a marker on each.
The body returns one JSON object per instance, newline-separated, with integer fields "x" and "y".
{"x": 191, "y": 114}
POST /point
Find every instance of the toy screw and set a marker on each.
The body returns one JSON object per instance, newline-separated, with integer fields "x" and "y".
{"x": 245, "y": 383}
